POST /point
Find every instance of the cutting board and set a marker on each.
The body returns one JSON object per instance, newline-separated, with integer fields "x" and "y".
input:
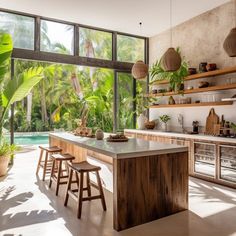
{"x": 211, "y": 121}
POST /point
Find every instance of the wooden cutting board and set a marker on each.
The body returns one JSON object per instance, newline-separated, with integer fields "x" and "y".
{"x": 211, "y": 121}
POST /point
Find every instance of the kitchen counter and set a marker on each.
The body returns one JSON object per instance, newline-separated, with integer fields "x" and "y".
{"x": 132, "y": 148}
{"x": 182, "y": 135}
{"x": 150, "y": 179}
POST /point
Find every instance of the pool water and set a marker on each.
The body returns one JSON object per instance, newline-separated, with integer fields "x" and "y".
{"x": 31, "y": 139}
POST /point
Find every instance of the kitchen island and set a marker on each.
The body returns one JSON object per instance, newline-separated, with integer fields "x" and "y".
{"x": 150, "y": 179}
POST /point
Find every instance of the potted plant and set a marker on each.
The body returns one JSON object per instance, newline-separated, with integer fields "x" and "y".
{"x": 11, "y": 91}
{"x": 164, "y": 119}
{"x": 176, "y": 78}
{"x": 6, "y": 151}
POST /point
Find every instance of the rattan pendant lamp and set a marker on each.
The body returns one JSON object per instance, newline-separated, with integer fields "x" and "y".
{"x": 171, "y": 60}
{"x": 230, "y": 41}
{"x": 140, "y": 69}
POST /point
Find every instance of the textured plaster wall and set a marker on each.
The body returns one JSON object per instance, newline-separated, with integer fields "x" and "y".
{"x": 200, "y": 40}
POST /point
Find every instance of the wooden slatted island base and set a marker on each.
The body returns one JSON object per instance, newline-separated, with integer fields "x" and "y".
{"x": 150, "y": 179}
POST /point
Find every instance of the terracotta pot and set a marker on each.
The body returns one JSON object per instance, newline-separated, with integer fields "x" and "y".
{"x": 139, "y": 70}
{"x": 171, "y": 60}
{"x": 230, "y": 43}
{"x": 4, "y": 161}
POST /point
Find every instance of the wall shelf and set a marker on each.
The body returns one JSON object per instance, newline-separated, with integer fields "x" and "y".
{"x": 193, "y": 104}
{"x": 197, "y": 90}
{"x": 224, "y": 71}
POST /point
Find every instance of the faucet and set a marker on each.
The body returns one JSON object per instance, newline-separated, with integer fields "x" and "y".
{"x": 181, "y": 122}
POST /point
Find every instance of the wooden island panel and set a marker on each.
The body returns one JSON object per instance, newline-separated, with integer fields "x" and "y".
{"x": 149, "y": 188}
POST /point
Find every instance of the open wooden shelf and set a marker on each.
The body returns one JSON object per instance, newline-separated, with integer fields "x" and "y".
{"x": 194, "y": 104}
{"x": 205, "y": 74}
{"x": 197, "y": 90}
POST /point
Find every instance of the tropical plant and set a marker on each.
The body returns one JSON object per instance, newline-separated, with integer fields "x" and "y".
{"x": 16, "y": 89}
{"x": 176, "y": 78}
{"x": 164, "y": 118}
{"x": 6, "y": 149}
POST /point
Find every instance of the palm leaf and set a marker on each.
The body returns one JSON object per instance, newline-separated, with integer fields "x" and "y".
{"x": 18, "y": 88}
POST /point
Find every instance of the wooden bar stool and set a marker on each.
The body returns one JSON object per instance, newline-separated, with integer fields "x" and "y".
{"x": 57, "y": 171}
{"x": 82, "y": 168}
{"x": 45, "y": 163}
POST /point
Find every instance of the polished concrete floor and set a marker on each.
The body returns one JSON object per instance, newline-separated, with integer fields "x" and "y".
{"x": 28, "y": 208}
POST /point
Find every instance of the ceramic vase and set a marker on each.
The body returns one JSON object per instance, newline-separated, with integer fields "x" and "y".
{"x": 99, "y": 134}
{"x": 141, "y": 121}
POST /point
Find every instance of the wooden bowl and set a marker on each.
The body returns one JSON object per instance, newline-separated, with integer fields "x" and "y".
{"x": 150, "y": 124}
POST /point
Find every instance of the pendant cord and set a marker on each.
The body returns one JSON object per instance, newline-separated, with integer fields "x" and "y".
{"x": 171, "y": 36}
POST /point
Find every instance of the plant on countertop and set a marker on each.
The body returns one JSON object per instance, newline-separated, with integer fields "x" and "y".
{"x": 164, "y": 119}
{"x": 176, "y": 78}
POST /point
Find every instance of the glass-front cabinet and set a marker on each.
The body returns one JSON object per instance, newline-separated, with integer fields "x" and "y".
{"x": 227, "y": 155}
{"x": 205, "y": 159}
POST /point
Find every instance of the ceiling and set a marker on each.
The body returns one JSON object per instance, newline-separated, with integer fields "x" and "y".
{"x": 118, "y": 15}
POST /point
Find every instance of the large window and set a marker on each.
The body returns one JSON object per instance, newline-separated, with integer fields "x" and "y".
{"x": 56, "y": 37}
{"x": 95, "y": 44}
{"x": 130, "y": 49}
{"x": 125, "y": 101}
{"x": 20, "y": 27}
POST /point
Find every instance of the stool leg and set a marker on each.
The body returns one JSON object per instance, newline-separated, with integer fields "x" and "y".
{"x": 68, "y": 187}
{"x": 77, "y": 179}
{"x": 45, "y": 166}
{"x": 39, "y": 162}
{"x": 101, "y": 191}
{"x": 88, "y": 185}
{"x": 52, "y": 173}
{"x": 80, "y": 195}
{"x": 58, "y": 177}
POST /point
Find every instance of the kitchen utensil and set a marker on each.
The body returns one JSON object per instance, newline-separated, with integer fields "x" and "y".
{"x": 211, "y": 121}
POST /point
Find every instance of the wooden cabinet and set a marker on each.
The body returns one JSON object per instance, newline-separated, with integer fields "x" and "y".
{"x": 208, "y": 160}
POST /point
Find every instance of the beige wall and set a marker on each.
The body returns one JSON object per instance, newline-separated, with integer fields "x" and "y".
{"x": 200, "y": 40}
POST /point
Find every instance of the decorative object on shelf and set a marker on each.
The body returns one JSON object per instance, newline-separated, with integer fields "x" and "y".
{"x": 203, "y": 84}
{"x": 212, "y": 120}
{"x": 171, "y": 100}
{"x": 154, "y": 91}
{"x": 189, "y": 87}
{"x": 211, "y": 67}
{"x": 140, "y": 70}
{"x": 171, "y": 60}
{"x": 175, "y": 79}
{"x": 230, "y": 41}
{"x": 99, "y": 134}
{"x": 141, "y": 121}
{"x": 162, "y": 90}
{"x": 195, "y": 125}
{"x": 117, "y": 138}
{"x": 233, "y": 127}
{"x": 203, "y": 67}
{"x": 192, "y": 71}
{"x": 150, "y": 124}
{"x": 164, "y": 119}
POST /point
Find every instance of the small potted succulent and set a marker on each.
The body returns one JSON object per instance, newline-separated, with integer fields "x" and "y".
{"x": 164, "y": 119}
{"x": 6, "y": 152}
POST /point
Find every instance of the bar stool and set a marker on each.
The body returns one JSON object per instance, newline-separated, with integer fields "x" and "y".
{"x": 57, "y": 171}
{"x": 82, "y": 168}
{"x": 46, "y": 163}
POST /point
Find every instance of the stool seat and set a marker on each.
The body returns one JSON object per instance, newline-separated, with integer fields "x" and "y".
{"x": 84, "y": 166}
{"x": 51, "y": 149}
{"x": 63, "y": 157}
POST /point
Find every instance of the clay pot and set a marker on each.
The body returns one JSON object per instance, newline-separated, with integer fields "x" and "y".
{"x": 230, "y": 43}
{"x": 150, "y": 124}
{"x": 211, "y": 67}
{"x": 192, "y": 71}
{"x": 139, "y": 70}
{"x": 171, "y": 60}
{"x": 99, "y": 134}
{"x": 4, "y": 161}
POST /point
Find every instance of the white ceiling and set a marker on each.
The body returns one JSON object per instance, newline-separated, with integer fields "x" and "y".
{"x": 119, "y": 15}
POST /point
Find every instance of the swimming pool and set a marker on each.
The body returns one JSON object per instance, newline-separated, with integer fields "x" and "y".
{"x": 31, "y": 138}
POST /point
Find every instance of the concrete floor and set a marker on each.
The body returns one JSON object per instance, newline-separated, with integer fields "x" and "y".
{"x": 28, "y": 207}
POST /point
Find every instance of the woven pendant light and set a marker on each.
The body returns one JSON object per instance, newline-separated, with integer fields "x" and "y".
{"x": 171, "y": 60}
{"x": 230, "y": 41}
{"x": 139, "y": 70}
